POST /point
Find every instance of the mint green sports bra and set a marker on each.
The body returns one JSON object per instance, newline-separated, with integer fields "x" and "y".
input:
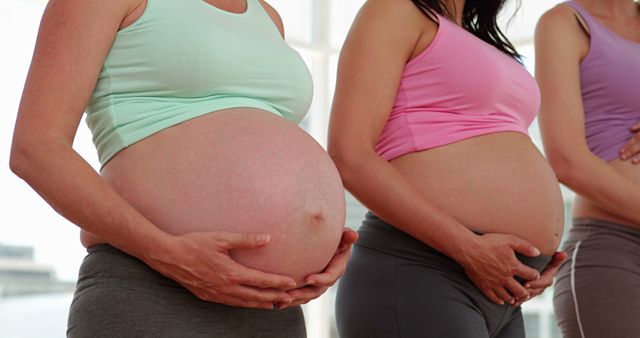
{"x": 185, "y": 58}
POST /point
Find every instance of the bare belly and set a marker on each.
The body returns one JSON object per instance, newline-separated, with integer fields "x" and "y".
{"x": 242, "y": 170}
{"x": 497, "y": 183}
{"x": 585, "y": 208}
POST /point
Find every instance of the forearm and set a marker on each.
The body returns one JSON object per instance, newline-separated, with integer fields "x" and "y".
{"x": 71, "y": 186}
{"x": 382, "y": 189}
{"x": 603, "y": 185}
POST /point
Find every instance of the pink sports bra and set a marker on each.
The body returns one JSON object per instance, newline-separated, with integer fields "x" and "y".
{"x": 459, "y": 87}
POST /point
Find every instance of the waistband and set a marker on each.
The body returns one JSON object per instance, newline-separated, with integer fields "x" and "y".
{"x": 598, "y": 224}
{"x": 379, "y": 235}
{"x": 104, "y": 247}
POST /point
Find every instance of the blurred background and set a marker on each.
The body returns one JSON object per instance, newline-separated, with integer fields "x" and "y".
{"x": 40, "y": 251}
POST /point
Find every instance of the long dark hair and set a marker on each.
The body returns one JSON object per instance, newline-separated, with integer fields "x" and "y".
{"x": 478, "y": 17}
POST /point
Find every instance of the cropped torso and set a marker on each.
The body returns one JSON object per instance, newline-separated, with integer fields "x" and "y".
{"x": 609, "y": 78}
{"x": 458, "y": 133}
{"x": 194, "y": 117}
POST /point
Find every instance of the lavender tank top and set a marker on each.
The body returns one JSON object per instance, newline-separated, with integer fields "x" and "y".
{"x": 609, "y": 81}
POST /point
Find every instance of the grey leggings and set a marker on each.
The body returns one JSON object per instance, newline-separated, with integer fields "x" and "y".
{"x": 597, "y": 292}
{"x": 396, "y": 286}
{"x": 118, "y": 295}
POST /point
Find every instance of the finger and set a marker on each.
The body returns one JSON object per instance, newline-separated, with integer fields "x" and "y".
{"x": 544, "y": 282}
{"x": 307, "y": 293}
{"x": 535, "y": 292}
{"x": 332, "y": 272}
{"x": 635, "y": 127}
{"x": 516, "y": 289}
{"x": 523, "y": 247}
{"x": 255, "y": 278}
{"x": 492, "y": 297}
{"x": 349, "y": 237}
{"x": 258, "y": 295}
{"x": 630, "y": 149}
{"x": 233, "y": 240}
{"x": 558, "y": 258}
{"x": 525, "y": 272}
{"x": 504, "y": 296}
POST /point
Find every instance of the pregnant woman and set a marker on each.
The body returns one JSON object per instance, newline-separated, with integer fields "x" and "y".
{"x": 588, "y": 67}
{"x": 429, "y": 131}
{"x": 206, "y": 181}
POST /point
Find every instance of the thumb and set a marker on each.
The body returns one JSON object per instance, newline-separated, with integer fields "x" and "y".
{"x": 521, "y": 246}
{"x": 233, "y": 240}
{"x": 558, "y": 258}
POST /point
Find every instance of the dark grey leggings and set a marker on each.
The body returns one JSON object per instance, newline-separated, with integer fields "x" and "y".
{"x": 395, "y": 286}
{"x": 118, "y": 295}
{"x": 597, "y": 292}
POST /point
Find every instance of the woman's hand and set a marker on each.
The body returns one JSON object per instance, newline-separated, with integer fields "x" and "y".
{"x": 491, "y": 263}
{"x": 319, "y": 283}
{"x": 201, "y": 263}
{"x": 537, "y": 287}
{"x": 631, "y": 150}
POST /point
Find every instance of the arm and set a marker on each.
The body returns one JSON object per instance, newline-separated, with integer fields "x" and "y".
{"x": 75, "y": 36}
{"x": 560, "y": 46}
{"x": 381, "y": 41}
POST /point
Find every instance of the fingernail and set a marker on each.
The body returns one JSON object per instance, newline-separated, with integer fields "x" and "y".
{"x": 527, "y": 285}
{"x": 536, "y": 252}
{"x": 291, "y": 284}
{"x": 311, "y": 282}
{"x": 263, "y": 238}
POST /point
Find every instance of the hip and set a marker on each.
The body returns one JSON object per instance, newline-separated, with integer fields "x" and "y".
{"x": 118, "y": 295}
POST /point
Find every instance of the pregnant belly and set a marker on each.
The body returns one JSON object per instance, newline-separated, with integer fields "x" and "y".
{"x": 497, "y": 183}
{"x": 242, "y": 170}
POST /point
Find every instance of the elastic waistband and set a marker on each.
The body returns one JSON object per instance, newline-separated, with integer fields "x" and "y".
{"x": 598, "y": 224}
{"x": 379, "y": 235}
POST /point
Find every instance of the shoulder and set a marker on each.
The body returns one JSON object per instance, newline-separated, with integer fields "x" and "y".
{"x": 94, "y": 8}
{"x": 560, "y": 33}
{"x": 275, "y": 16}
{"x": 393, "y": 10}
{"x": 560, "y": 19}
{"x": 394, "y": 18}
{"x": 116, "y": 5}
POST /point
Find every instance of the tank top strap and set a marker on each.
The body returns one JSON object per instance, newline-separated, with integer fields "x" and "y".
{"x": 596, "y": 29}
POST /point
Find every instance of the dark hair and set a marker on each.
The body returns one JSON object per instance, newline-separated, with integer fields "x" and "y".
{"x": 479, "y": 17}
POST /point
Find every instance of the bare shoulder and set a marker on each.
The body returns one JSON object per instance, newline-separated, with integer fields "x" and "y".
{"x": 275, "y": 16}
{"x": 394, "y": 11}
{"x": 561, "y": 19}
{"x": 560, "y": 30}
{"x": 119, "y": 6}
{"x": 396, "y": 19}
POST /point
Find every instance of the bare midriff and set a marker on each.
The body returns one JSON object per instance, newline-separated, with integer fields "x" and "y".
{"x": 240, "y": 170}
{"x": 495, "y": 183}
{"x": 582, "y": 207}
